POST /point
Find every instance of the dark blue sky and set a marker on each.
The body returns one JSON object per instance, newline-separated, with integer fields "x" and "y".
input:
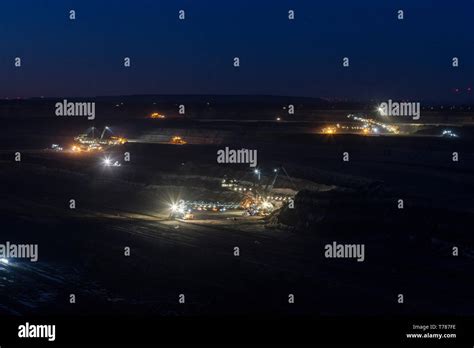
{"x": 388, "y": 58}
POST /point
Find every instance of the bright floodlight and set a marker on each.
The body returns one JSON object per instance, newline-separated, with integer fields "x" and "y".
{"x": 177, "y": 207}
{"x": 256, "y": 171}
{"x": 5, "y": 261}
{"x": 107, "y": 161}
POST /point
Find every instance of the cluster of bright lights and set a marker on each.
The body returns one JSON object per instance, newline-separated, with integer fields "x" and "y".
{"x": 350, "y": 127}
{"x": 275, "y": 198}
{"x": 232, "y": 184}
{"x": 372, "y": 125}
{"x": 56, "y": 147}
{"x": 88, "y": 148}
{"x": 177, "y": 140}
{"x": 449, "y": 133}
{"x": 178, "y": 207}
{"x": 242, "y": 188}
{"x": 157, "y": 115}
{"x": 108, "y": 162}
{"x": 266, "y": 205}
{"x": 93, "y": 143}
{"x": 329, "y": 130}
{"x": 214, "y": 206}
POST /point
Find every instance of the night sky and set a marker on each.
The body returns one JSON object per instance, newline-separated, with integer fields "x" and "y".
{"x": 389, "y": 58}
